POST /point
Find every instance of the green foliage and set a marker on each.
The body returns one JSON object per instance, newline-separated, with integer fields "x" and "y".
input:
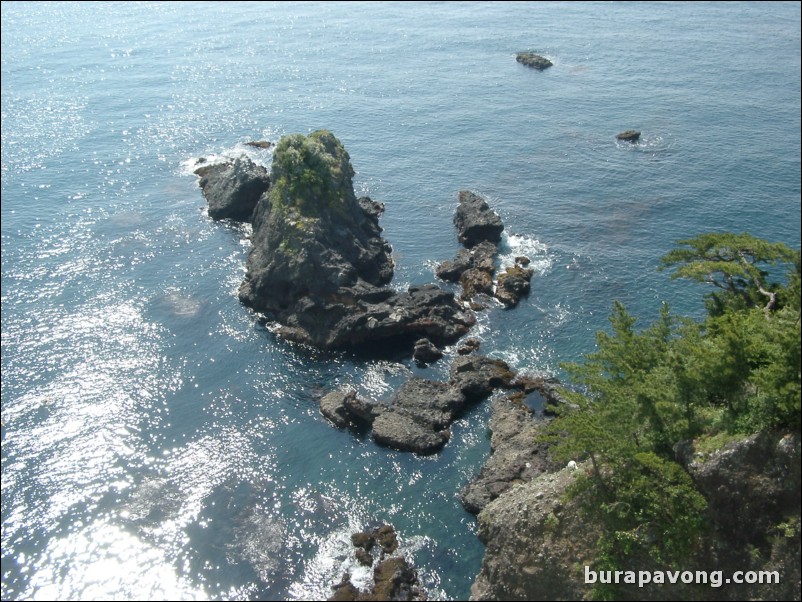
{"x": 643, "y": 391}
{"x": 737, "y": 264}
{"x": 307, "y": 173}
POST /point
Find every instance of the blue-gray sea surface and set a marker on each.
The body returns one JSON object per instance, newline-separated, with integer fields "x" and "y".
{"x": 158, "y": 440}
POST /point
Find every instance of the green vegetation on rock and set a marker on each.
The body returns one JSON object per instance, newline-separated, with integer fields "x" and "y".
{"x": 643, "y": 392}
{"x": 311, "y": 175}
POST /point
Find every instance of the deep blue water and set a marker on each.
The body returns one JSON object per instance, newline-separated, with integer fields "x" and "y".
{"x": 158, "y": 441}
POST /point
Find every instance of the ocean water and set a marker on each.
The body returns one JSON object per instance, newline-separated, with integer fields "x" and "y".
{"x": 158, "y": 440}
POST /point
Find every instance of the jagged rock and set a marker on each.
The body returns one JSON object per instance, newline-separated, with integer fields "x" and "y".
{"x": 469, "y": 346}
{"x": 475, "y": 376}
{"x": 364, "y": 539}
{"x": 628, "y": 136}
{"x": 346, "y": 409}
{"x": 530, "y": 59}
{"x": 364, "y": 557}
{"x": 419, "y": 413}
{"x": 476, "y": 221}
{"x": 318, "y": 263}
{"x": 522, "y": 260}
{"x": 333, "y": 406}
{"x": 393, "y": 577}
{"x": 233, "y": 189}
{"x": 513, "y": 284}
{"x": 515, "y": 455}
{"x": 402, "y": 432}
{"x": 263, "y": 144}
{"x": 536, "y": 544}
{"x": 476, "y": 282}
{"x": 425, "y": 352}
{"x": 387, "y": 539}
{"x": 354, "y": 316}
{"x": 418, "y": 417}
{"x": 767, "y": 463}
{"x": 480, "y": 257}
{"x": 451, "y": 271}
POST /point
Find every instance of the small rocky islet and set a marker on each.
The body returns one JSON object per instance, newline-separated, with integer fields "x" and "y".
{"x": 535, "y": 61}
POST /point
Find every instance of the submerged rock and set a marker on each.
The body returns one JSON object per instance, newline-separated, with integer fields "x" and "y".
{"x": 628, "y": 136}
{"x": 233, "y": 189}
{"x": 530, "y": 59}
{"x": 319, "y": 264}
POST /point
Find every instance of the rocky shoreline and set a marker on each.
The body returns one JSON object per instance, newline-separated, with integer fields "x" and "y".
{"x": 418, "y": 416}
{"x": 321, "y": 269}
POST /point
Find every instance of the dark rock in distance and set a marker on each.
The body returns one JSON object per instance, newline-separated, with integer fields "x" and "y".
{"x": 628, "y": 136}
{"x": 233, "y": 189}
{"x": 530, "y": 59}
{"x": 263, "y": 144}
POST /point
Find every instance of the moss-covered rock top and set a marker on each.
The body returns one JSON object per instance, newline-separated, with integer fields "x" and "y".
{"x": 312, "y": 175}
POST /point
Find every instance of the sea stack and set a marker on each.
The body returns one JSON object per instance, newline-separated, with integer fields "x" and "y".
{"x": 319, "y": 265}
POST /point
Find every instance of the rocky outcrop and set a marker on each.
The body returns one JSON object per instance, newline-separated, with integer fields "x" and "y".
{"x": 418, "y": 415}
{"x": 263, "y": 144}
{"x": 479, "y": 228}
{"x": 476, "y": 222}
{"x": 425, "y": 352}
{"x": 513, "y": 283}
{"x": 538, "y": 540}
{"x": 530, "y": 59}
{"x": 469, "y": 346}
{"x": 481, "y": 258}
{"x": 753, "y": 490}
{"x": 319, "y": 265}
{"x": 346, "y": 409}
{"x": 536, "y": 543}
{"x": 393, "y": 577}
{"x": 628, "y": 136}
{"x": 515, "y": 454}
{"x": 233, "y": 189}
{"x": 476, "y": 376}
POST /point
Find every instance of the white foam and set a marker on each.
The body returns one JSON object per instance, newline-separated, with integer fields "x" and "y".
{"x": 516, "y": 245}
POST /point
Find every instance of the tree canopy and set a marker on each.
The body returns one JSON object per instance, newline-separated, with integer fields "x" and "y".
{"x": 643, "y": 391}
